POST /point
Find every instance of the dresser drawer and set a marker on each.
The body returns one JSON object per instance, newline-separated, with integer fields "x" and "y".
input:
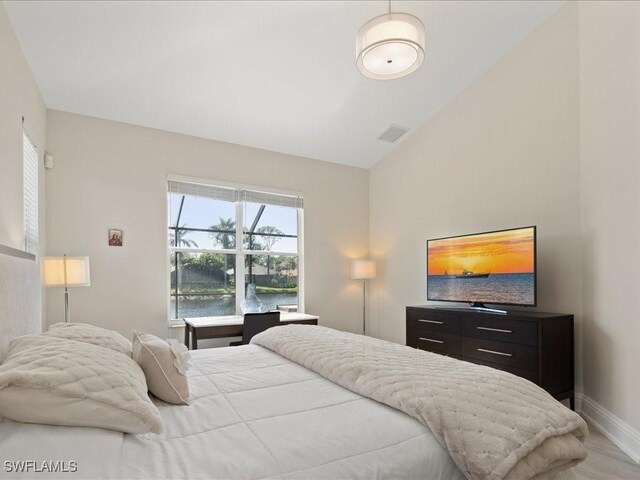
{"x": 433, "y": 321}
{"x": 535, "y": 345}
{"x": 510, "y": 354}
{"x": 438, "y": 342}
{"x": 530, "y": 375}
{"x": 501, "y": 329}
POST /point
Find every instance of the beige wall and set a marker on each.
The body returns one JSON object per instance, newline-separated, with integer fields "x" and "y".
{"x": 113, "y": 175}
{"x": 610, "y": 180}
{"x": 503, "y": 154}
{"x": 547, "y": 136}
{"x": 19, "y": 97}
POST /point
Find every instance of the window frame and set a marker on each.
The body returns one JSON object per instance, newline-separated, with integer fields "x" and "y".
{"x": 239, "y": 251}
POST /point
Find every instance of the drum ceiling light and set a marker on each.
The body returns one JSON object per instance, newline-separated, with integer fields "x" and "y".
{"x": 390, "y": 46}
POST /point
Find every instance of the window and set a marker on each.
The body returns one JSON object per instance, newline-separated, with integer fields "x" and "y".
{"x": 30, "y": 194}
{"x": 222, "y": 238}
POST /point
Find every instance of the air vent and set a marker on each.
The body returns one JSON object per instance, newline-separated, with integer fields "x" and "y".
{"x": 393, "y": 133}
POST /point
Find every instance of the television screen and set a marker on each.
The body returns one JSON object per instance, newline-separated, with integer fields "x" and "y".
{"x": 492, "y": 267}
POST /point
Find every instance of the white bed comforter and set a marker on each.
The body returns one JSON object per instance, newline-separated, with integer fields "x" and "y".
{"x": 254, "y": 414}
{"x": 495, "y": 425}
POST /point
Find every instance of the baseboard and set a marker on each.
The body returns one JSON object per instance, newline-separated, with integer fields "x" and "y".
{"x": 621, "y": 434}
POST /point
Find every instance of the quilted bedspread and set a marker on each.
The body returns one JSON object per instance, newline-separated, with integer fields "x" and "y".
{"x": 495, "y": 425}
{"x": 253, "y": 415}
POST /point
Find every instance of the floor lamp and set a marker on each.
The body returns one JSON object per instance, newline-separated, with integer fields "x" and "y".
{"x": 66, "y": 272}
{"x": 363, "y": 270}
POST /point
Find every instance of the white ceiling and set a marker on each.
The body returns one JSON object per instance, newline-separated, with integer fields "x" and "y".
{"x": 274, "y": 75}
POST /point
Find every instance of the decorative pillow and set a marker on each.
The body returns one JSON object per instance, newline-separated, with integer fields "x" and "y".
{"x": 164, "y": 364}
{"x": 83, "y": 332}
{"x": 56, "y": 381}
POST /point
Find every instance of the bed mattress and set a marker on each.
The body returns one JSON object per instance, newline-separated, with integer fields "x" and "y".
{"x": 253, "y": 414}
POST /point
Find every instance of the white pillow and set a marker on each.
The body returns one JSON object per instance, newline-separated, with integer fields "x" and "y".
{"x": 83, "y": 332}
{"x": 164, "y": 365}
{"x": 66, "y": 382}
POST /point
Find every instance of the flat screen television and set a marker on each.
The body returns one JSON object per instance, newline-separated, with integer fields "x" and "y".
{"x": 492, "y": 267}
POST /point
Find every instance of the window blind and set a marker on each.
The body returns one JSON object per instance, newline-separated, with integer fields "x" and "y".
{"x": 230, "y": 194}
{"x": 265, "y": 198}
{"x": 30, "y": 173}
{"x": 201, "y": 190}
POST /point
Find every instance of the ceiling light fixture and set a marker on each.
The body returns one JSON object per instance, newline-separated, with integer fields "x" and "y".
{"x": 390, "y": 46}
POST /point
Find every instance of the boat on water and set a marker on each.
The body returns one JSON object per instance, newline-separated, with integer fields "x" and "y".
{"x": 469, "y": 274}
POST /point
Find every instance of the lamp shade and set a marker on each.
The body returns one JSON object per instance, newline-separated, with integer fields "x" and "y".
{"x": 390, "y": 46}
{"x": 363, "y": 269}
{"x": 66, "y": 271}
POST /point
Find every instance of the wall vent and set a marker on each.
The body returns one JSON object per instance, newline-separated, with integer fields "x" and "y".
{"x": 393, "y": 133}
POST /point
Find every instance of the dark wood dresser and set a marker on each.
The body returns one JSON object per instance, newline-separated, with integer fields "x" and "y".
{"x": 534, "y": 345}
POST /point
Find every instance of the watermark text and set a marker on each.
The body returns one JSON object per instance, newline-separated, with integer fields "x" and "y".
{"x": 42, "y": 466}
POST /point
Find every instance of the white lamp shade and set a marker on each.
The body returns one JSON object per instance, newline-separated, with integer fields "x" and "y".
{"x": 66, "y": 271}
{"x": 390, "y": 46}
{"x": 363, "y": 269}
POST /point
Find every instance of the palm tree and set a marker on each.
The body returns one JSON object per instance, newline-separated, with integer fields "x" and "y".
{"x": 176, "y": 238}
{"x": 225, "y": 236}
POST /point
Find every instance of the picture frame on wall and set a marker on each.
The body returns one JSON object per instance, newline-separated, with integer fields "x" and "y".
{"x": 115, "y": 237}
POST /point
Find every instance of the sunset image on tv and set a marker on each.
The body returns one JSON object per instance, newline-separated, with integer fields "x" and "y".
{"x": 496, "y": 267}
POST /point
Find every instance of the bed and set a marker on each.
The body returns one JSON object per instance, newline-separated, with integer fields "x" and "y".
{"x": 300, "y": 402}
{"x": 253, "y": 414}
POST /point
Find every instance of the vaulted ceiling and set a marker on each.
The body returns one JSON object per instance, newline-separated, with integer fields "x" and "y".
{"x": 274, "y": 75}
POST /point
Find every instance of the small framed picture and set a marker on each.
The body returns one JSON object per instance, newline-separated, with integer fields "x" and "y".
{"x": 115, "y": 237}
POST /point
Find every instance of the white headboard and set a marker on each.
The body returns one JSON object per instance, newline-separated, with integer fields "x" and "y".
{"x": 20, "y": 296}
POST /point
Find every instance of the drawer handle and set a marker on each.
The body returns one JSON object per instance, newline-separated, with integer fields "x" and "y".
{"x": 431, "y": 340}
{"x": 493, "y": 352}
{"x": 430, "y": 321}
{"x": 501, "y": 330}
